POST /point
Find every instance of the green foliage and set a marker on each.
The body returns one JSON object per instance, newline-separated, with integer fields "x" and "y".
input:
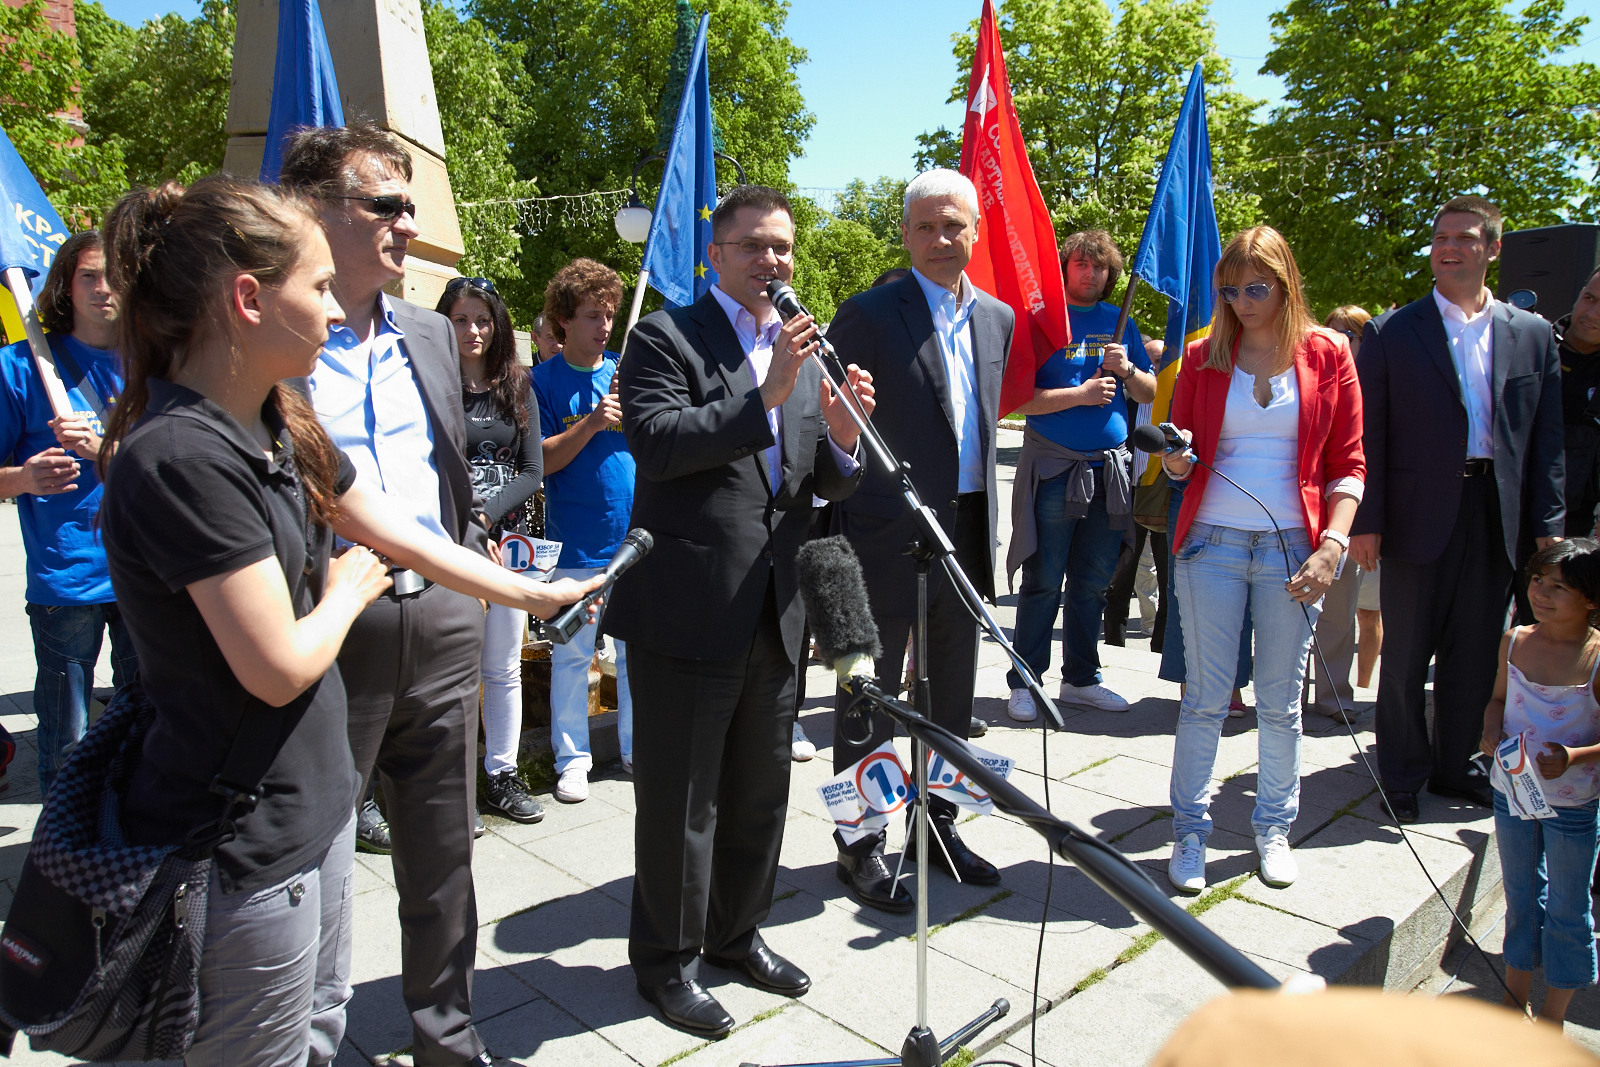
{"x": 39, "y": 73}
{"x": 838, "y": 253}
{"x": 1097, "y": 97}
{"x": 158, "y": 94}
{"x": 476, "y": 79}
{"x": 594, "y": 74}
{"x": 1394, "y": 106}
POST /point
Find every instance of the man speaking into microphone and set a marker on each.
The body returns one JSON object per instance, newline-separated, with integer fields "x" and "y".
{"x": 724, "y": 412}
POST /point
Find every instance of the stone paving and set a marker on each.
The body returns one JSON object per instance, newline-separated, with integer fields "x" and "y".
{"x": 553, "y": 985}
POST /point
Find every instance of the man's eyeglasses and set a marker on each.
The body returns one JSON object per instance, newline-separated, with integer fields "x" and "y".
{"x": 781, "y": 249}
{"x": 477, "y": 283}
{"x": 1255, "y": 291}
{"x": 386, "y": 207}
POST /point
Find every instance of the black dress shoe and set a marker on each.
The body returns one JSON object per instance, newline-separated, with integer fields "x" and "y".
{"x": 961, "y": 862}
{"x": 1402, "y": 806}
{"x": 871, "y": 881}
{"x": 686, "y": 1005}
{"x": 768, "y": 970}
{"x": 1478, "y": 792}
{"x": 977, "y": 727}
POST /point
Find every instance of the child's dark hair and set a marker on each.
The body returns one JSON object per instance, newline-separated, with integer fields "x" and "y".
{"x": 1577, "y": 561}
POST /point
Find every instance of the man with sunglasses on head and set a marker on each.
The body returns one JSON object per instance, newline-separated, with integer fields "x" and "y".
{"x": 388, "y": 389}
{"x": 734, "y": 432}
{"x": 1461, "y": 398}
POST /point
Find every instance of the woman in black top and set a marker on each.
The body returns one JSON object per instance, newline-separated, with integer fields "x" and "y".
{"x": 503, "y": 448}
{"x": 217, "y": 515}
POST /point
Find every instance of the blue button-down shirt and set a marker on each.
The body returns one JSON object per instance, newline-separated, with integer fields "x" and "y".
{"x": 952, "y": 325}
{"x": 368, "y": 399}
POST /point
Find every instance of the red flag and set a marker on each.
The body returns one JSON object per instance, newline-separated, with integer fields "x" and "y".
{"x": 1016, "y": 258}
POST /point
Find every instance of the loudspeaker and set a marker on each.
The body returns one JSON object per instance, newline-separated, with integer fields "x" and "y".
{"x": 1553, "y": 261}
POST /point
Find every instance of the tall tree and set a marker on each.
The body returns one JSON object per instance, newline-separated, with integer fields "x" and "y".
{"x": 475, "y": 78}
{"x": 838, "y": 253}
{"x": 158, "y": 94}
{"x": 1394, "y": 106}
{"x": 595, "y": 72}
{"x": 39, "y": 75}
{"x": 1097, "y": 95}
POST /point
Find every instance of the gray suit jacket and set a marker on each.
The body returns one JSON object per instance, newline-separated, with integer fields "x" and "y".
{"x": 1415, "y": 434}
{"x": 889, "y": 332}
{"x": 697, "y": 429}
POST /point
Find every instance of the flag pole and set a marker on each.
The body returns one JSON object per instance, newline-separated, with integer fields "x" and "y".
{"x": 1127, "y": 308}
{"x": 54, "y": 390}
{"x": 638, "y": 301}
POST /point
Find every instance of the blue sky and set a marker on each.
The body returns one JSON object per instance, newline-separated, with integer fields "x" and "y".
{"x": 874, "y": 87}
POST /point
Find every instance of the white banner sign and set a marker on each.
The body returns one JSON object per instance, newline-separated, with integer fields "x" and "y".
{"x": 531, "y": 555}
{"x": 861, "y": 798}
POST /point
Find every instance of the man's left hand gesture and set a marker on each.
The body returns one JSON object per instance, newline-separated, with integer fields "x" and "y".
{"x": 841, "y": 428}
{"x": 1114, "y": 361}
{"x": 74, "y": 434}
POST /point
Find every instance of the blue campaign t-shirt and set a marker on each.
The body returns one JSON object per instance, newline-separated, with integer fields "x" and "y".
{"x": 1088, "y": 428}
{"x": 66, "y": 561}
{"x": 588, "y": 502}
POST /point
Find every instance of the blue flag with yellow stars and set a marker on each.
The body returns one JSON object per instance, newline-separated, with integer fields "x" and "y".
{"x": 680, "y": 229}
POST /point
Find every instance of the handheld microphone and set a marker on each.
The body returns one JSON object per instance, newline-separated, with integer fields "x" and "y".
{"x": 573, "y": 617}
{"x": 1157, "y": 440}
{"x": 788, "y": 305}
{"x": 835, "y": 596}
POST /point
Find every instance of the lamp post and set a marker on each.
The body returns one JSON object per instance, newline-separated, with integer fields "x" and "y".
{"x": 633, "y": 220}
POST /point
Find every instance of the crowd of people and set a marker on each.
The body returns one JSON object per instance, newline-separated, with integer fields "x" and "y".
{"x": 282, "y": 491}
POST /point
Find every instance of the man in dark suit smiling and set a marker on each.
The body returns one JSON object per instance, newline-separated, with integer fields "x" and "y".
{"x": 941, "y": 344}
{"x": 733, "y": 432}
{"x": 1463, "y": 437}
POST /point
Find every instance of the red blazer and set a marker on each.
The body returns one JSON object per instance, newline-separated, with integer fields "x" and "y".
{"x": 1330, "y": 423}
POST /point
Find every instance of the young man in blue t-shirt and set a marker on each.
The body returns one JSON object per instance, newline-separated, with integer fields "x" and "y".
{"x": 588, "y": 495}
{"x": 57, "y": 486}
{"x": 1069, "y": 528}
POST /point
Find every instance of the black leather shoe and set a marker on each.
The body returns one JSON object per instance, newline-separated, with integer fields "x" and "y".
{"x": 870, "y": 880}
{"x": 1402, "y": 806}
{"x": 977, "y": 727}
{"x": 768, "y": 970}
{"x": 1478, "y": 792}
{"x": 686, "y": 1005}
{"x": 962, "y": 862}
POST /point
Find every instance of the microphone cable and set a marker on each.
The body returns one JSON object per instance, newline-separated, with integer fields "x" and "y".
{"x": 1383, "y": 798}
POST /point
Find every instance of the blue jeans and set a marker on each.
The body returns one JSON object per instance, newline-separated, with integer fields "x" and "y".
{"x": 1224, "y": 572}
{"x": 1546, "y": 865}
{"x": 1173, "y": 668}
{"x": 66, "y": 645}
{"x": 569, "y": 691}
{"x": 1081, "y": 552}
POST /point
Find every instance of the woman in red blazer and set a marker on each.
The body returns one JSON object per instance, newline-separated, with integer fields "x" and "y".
{"x": 1271, "y": 401}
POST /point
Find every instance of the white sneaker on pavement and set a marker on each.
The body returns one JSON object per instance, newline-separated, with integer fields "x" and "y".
{"x": 573, "y": 786}
{"x": 1093, "y": 696}
{"x": 1278, "y": 866}
{"x": 1020, "y": 706}
{"x": 801, "y": 749}
{"x": 1187, "y": 868}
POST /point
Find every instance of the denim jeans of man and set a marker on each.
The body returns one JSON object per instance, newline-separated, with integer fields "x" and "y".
{"x": 66, "y": 645}
{"x": 1546, "y": 865}
{"x": 569, "y": 691}
{"x": 1082, "y": 552}
{"x": 1221, "y": 571}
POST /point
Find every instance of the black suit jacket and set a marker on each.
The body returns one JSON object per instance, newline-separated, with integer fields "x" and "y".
{"x": 1415, "y": 433}
{"x": 889, "y": 332}
{"x": 697, "y": 429}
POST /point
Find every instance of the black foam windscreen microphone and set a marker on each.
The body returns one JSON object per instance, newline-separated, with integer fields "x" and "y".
{"x": 1148, "y": 438}
{"x": 835, "y": 596}
{"x": 573, "y": 617}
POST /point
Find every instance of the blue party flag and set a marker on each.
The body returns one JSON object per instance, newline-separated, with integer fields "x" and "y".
{"x": 304, "y": 90}
{"x": 680, "y": 229}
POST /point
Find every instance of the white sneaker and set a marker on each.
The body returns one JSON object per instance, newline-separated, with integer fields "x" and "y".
{"x": 627, "y": 764}
{"x": 1093, "y": 696}
{"x": 1278, "y": 866}
{"x": 800, "y": 748}
{"x": 573, "y": 786}
{"x": 1187, "y": 868}
{"x": 1020, "y": 706}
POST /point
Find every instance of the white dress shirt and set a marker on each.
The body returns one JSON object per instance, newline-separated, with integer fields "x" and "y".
{"x": 1470, "y": 339}
{"x": 952, "y": 325}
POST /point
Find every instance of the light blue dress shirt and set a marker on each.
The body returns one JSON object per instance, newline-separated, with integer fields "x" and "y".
{"x": 952, "y": 325}
{"x": 368, "y": 399}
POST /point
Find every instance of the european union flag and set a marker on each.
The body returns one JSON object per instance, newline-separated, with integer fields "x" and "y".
{"x": 30, "y": 229}
{"x": 304, "y": 90}
{"x": 1179, "y": 250}
{"x": 680, "y": 229}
